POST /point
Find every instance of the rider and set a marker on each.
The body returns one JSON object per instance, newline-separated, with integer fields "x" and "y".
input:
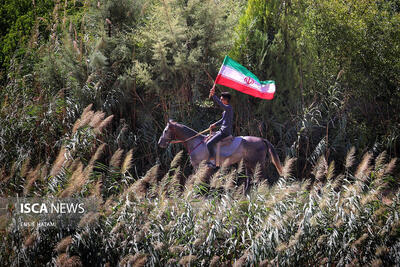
{"x": 226, "y": 123}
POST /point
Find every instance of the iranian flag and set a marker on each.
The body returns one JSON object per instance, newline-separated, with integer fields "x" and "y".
{"x": 237, "y": 77}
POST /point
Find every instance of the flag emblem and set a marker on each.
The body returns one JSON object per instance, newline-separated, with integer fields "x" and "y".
{"x": 249, "y": 80}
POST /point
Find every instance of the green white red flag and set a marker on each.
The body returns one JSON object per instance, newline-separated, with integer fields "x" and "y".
{"x": 237, "y": 77}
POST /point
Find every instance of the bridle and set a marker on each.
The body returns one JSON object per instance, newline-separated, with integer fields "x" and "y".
{"x": 170, "y": 140}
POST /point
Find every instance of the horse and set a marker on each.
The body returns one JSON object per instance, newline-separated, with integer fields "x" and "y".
{"x": 252, "y": 150}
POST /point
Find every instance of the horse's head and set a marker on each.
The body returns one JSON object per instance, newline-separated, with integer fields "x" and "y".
{"x": 167, "y": 135}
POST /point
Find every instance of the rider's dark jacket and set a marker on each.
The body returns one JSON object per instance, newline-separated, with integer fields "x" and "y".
{"x": 226, "y": 121}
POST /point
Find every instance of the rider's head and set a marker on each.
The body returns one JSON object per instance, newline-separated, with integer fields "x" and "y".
{"x": 225, "y": 97}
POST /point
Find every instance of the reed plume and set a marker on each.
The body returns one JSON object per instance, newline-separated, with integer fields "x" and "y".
{"x": 89, "y": 219}
{"x": 258, "y": 173}
{"x": 85, "y": 119}
{"x": 331, "y": 171}
{"x": 116, "y": 158}
{"x": 139, "y": 189}
{"x": 202, "y": 175}
{"x": 59, "y": 162}
{"x": 230, "y": 181}
{"x": 97, "y": 154}
{"x": 288, "y": 167}
{"x": 96, "y": 191}
{"x": 364, "y": 168}
{"x": 390, "y": 166}
{"x": 77, "y": 180}
{"x": 25, "y": 167}
{"x": 126, "y": 165}
{"x": 380, "y": 160}
{"x": 62, "y": 246}
{"x": 137, "y": 260}
{"x": 350, "y": 158}
{"x": 241, "y": 261}
{"x": 99, "y": 129}
{"x": 215, "y": 261}
{"x": 216, "y": 180}
{"x": 177, "y": 159}
{"x": 30, "y": 240}
{"x": 32, "y": 177}
{"x": 320, "y": 169}
{"x": 73, "y": 261}
{"x": 61, "y": 260}
{"x": 187, "y": 260}
{"x": 96, "y": 119}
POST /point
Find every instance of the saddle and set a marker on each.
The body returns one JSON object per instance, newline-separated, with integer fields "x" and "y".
{"x": 226, "y": 147}
{"x": 226, "y": 141}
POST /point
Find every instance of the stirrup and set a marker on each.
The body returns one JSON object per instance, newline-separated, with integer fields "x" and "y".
{"x": 211, "y": 165}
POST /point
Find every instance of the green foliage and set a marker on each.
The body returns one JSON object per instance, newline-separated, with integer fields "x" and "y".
{"x": 334, "y": 73}
{"x": 17, "y": 19}
{"x": 181, "y": 42}
{"x": 358, "y": 40}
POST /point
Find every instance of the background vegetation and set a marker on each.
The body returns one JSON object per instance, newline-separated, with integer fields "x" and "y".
{"x": 88, "y": 86}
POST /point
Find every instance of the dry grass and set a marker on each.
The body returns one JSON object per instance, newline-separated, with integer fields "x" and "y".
{"x": 127, "y": 164}
{"x": 215, "y": 261}
{"x": 96, "y": 190}
{"x": 176, "y": 160}
{"x": 187, "y": 260}
{"x": 331, "y": 171}
{"x": 90, "y": 219}
{"x": 390, "y": 166}
{"x": 100, "y": 128}
{"x": 140, "y": 188}
{"x": 32, "y": 176}
{"x": 25, "y": 167}
{"x": 364, "y": 168}
{"x": 77, "y": 180}
{"x": 116, "y": 158}
{"x": 96, "y": 119}
{"x": 137, "y": 260}
{"x": 350, "y": 158}
{"x": 288, "y": 167}
{"x": 59, "y": 162}
{"x": 30, "y": 240}
{"x": 73, "y": 261}
{"x": 62, "y": 246}
{"x": 270, "y": 225}
{"x": 98, "y": 154}
{"x": 320, "y": 169}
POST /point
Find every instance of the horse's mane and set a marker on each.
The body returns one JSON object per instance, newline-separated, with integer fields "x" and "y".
{"x": 187, "y": 130}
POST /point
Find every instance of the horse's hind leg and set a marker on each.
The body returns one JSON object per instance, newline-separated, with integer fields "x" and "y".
{"x": 249, "y": 167}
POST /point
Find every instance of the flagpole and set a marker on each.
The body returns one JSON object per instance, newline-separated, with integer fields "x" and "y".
{"x": 212, "y": 80}
{"x": 212, "y": 89}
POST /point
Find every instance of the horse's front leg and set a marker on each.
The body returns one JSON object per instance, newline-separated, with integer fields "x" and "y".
{"x": 195, "y": 163}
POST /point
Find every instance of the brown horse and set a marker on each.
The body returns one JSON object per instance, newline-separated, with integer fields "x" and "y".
{"x": 252, "y": 150}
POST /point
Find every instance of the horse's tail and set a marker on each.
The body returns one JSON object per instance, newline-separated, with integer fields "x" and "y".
{"x": 274, "y": 156}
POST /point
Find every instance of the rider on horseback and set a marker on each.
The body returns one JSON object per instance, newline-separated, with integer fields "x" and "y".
{"x": 226, "y": 123}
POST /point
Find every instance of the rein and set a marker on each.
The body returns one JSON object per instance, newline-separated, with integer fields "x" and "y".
{"x": 190, "y": 138}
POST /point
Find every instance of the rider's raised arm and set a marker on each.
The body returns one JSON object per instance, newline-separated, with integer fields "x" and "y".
{"x": 222, "y": 105}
